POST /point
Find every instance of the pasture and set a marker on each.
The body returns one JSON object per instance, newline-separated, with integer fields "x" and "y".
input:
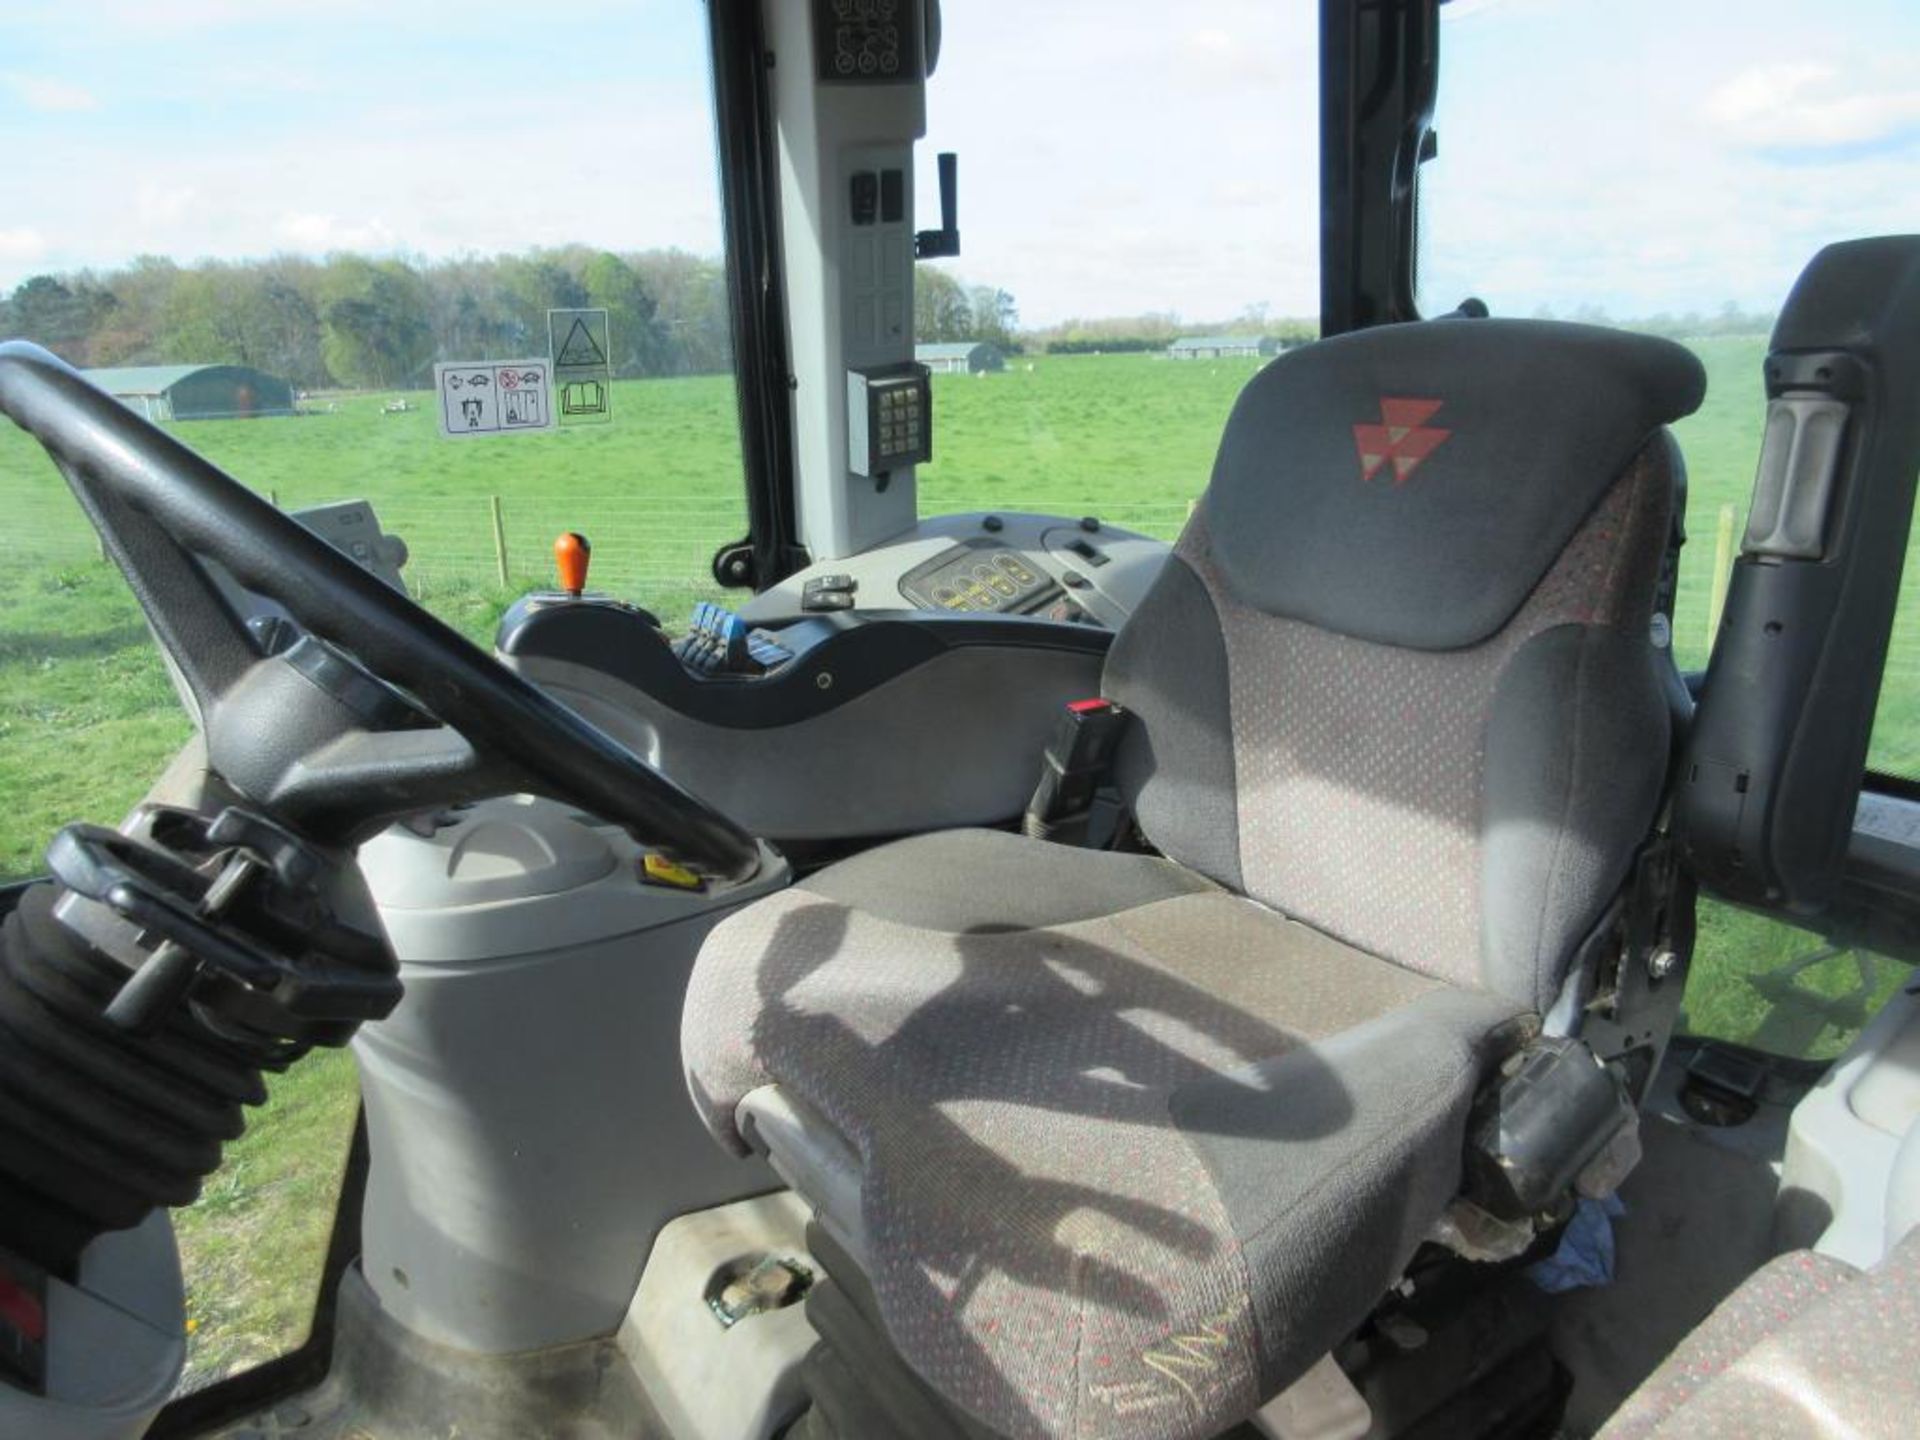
{"x": 87, "y": 716}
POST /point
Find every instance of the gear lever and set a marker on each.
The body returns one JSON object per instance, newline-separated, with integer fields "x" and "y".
{"x": 571, "y": 555}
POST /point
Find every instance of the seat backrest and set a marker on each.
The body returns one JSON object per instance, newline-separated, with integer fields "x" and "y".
{"x": 1399, "y": 679}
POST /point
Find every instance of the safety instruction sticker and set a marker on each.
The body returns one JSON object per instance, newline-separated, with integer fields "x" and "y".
{"x": 493, "y": 397}
{"x": 580, "y": 345}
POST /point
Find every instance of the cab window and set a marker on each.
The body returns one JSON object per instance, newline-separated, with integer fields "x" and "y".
{"x": 1672, "y": 170}
{"x": 1140, "y": 220}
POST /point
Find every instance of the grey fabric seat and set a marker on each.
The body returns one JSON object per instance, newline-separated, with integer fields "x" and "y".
{"x": 1135, "y": 1139}
{"x": 1807, "y": 1349}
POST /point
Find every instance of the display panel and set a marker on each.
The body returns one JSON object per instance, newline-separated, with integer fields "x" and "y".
{"x": 980, "y": 576}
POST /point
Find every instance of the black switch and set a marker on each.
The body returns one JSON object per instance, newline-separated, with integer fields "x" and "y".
{"x": 1087, "y": 552}
{"x": 817, "y": 600}
{"x": 865, "y": 195}
{"x": 893, "y": 197}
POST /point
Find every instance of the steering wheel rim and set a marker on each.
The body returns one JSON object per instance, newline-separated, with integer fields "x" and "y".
{"x": 206, "y": 513}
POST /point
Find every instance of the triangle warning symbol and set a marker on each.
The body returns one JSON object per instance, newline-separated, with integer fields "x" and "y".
{"x": 580, "y": 347}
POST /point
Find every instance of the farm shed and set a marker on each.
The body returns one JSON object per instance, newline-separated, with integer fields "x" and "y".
{"x": 964, "y": 357}
{"x": 1221, "y": 347}
{"x": 196, "y": 392}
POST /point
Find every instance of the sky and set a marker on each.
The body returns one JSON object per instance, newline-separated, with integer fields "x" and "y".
{"x": 1117, "y": 156}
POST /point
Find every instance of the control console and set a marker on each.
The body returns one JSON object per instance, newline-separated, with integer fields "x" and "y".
{"x": 719, "y": 642}
{"x": 861, "y": 697}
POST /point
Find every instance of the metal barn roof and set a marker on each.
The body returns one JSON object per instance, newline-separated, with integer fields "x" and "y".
{"x": 145, "y": 379}
{"x": 951, "y": 349}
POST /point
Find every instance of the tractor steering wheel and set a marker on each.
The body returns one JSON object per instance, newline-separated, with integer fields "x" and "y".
{"x": 395, "y": 712}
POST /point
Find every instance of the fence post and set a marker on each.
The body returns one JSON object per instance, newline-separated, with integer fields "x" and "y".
{"x": 273, "y": 498}
{"x": 499, "y": 538}
{"x": 1722, "y": 573}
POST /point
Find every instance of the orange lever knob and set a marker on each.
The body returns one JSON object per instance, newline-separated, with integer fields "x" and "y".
{"x": 571, "y": 552}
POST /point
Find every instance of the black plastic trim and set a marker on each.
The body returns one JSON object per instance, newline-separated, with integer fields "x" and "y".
{"x": 1765, "y": 811}
{"x": 756, "y": 292}
{"x": 856, "y": 652}
{"x": 1379, "y": 72}
{"x": 12, "y": 893}
{"x": 1901, "y": 787}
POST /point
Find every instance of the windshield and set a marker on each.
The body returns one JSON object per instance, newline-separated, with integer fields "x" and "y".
{"x": 276, "y": 230}
{"x": 1140, "y": 218}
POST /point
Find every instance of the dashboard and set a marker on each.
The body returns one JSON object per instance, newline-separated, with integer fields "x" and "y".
{"x": 1075, "y": 571}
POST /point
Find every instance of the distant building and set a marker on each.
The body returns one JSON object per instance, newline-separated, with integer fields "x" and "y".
{"x": 196, "y": 392}
{"x": 963, "y": 357}
{"x": 1223, "y": 347}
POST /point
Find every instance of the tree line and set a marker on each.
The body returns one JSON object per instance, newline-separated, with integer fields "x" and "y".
{"x": 947, "y": 309}
{"x": 361, "y": 322}
{"x": 1729, "y": 319}
{"x": 350, "y": 320}
{"x": 1157, "y": 329}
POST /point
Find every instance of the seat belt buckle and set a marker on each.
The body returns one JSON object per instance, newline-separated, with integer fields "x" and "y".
{"x": 1075, "y": 769}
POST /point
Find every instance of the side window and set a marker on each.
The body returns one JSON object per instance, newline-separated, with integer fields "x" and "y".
{"x": 1740, "y": 137}
{"x": 263, "y": 228}
{"x": 1896, "y": 726}
{"x": 251, "y": 1297}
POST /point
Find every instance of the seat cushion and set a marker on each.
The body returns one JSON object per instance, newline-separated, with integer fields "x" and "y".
{"x": 1771, "y": 1298}
{"x": 1134, "y": 1151}
{"x": 1807, "y": 1349}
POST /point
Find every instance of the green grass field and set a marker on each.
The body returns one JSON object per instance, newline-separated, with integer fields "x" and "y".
{"x": 87, "y": 716}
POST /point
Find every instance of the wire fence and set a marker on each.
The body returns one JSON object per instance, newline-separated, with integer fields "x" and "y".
{"x": 654, "y": 548}
{"x": 657, "y": 549}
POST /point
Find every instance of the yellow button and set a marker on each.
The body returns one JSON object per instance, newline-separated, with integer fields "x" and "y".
{"x": 659, "y": 870}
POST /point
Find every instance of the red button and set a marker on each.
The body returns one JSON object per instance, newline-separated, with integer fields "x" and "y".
{"x": 22, "y": 1311}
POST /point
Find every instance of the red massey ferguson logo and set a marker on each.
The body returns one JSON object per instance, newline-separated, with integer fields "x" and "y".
{"x": 1402, "y": 437}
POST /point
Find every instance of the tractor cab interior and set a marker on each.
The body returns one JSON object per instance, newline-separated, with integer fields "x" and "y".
{"x": 1003, "y": 973}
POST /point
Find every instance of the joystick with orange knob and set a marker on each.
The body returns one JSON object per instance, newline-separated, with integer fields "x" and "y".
{"x": 571, "y": 552}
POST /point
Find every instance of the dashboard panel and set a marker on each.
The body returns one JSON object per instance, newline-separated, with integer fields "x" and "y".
{"x": 980, "y": 576}
{"x": 1082, "y": 571}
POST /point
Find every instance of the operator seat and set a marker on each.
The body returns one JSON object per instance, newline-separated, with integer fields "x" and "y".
{"x": 1124, "y": 1143}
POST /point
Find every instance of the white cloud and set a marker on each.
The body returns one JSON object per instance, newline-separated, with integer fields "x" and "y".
{"x": 22, "y": 246}
{"x": 1217, "y": 57}
{"x": 328, "y": 232}
{"x": 1461, "y": 9}
{"x": 1810, "y": 104}
{"x": 1249, "y": 194}
{"x": 158, "y": 204}
{"x": 50, "y": 94}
